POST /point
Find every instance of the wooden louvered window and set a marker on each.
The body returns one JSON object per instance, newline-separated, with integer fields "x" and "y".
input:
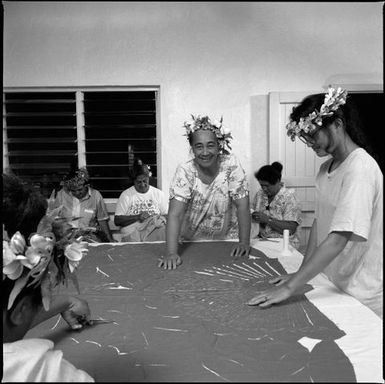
{"x": 44, "y": 131}
{"x": 118, "y": 127}
{"x": 40, "y": 135}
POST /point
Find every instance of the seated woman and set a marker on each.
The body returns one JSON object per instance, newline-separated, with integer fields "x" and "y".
{"x": 209, "y": 196}
{"x": 83, "y": 207}
{"x": 141, "y": 209}
{"x": 30, "y": 250}
{"x": 275, "y": 207}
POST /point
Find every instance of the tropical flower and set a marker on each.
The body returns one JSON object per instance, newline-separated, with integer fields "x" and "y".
{"x": 41, "y": 247}
{"x": 17, "y": 243}
{"x": 12, "y": 268}
{"x": 334, "y": 98}
{"x": 50, "y": 258}
{"x": 222, "y": 134}
{"x": 75, "y": 252}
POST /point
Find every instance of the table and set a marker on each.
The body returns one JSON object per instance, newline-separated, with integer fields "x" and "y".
{"x": 192, "y": 324}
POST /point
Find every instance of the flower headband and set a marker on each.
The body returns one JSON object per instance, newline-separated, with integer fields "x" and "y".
{"x": 81, "y": 178}
{"x": 223, "y": 136}
{"x": 50, "y": 258}
{"x": 334, "y": 98}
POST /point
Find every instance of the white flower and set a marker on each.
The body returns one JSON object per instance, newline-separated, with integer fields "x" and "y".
{"x": 75, "y": 252}
{"x": 17, "y": 243}
{"x": 40, "y": 247}
{"x": 11, "y": 263}
{"x": 226, "y": 130}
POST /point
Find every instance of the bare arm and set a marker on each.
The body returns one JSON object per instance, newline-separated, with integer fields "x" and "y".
{"x": 174, "y": 222}
{"x": 312, "y": 242}
{"x": 71, "y": 308}
{"x": 106, "y": 229}
{"x": 244, "y": 224}
{"x": 175, "y": 217}
{"x": 322, "y": 256}
{"x": 244, "y": 220}
{"x": 124, "y": 220}
{"x": 276, "y": 224}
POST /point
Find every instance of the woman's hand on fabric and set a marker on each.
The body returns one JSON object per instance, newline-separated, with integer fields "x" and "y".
{"x": 240, "y": 249}
{"x": 77, "y": 314}
{"x": 170, "y": 261}
{"x": 279, "y": 280}
{"x": 271, "y": 296}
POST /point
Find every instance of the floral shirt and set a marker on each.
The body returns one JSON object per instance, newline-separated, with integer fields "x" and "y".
{"x": 284, "y": 206}
{"x": 210, "y": 211}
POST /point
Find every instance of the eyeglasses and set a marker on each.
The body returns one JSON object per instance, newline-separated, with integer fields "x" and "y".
{"x": 309, "y": 139}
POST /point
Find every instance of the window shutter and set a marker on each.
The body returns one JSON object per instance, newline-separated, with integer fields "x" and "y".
{"x": 119, "y": 126}
{"x": 40, "y": 133}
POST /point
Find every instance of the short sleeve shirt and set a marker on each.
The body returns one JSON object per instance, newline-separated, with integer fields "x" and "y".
{"x": 350, "y": 199}
{"x": 90, "y": 210}
{"x": 131, "y": 202}
{"x": 284, "y": 206}
{"x": 210, "y": 211}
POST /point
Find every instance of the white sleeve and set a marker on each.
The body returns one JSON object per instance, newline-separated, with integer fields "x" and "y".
{"x": 355, "y": 204}
{"x": 122, "y": 205}
{"x": 58, "y": 369}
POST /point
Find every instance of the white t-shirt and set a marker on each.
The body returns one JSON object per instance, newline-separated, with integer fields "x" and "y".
{"x": 34, "y": 360}
{"x": 131, "y": 202}
{"x": 350, "y": 199}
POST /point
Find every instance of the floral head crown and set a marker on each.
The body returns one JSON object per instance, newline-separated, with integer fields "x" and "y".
{"x": 81, "y": 178}
{"x": 334, "y": 98}
{"x": 223, "y": 135}
{"x": 50, "y": 258}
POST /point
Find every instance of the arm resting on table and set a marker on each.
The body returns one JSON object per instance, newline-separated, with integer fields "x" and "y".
{"x": 322, "y": 256}
{"x": 175, "y": 217}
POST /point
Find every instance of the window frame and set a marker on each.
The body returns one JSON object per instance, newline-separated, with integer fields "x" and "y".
{"x": 80, "y": 129}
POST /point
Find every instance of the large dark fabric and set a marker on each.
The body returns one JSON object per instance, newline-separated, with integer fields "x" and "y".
{"x": 193, "y": 323}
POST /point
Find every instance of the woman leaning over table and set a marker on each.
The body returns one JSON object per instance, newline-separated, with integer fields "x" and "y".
{"x": 346, "y": 237}
{"x": 209, "y": 196}
{"x": 275, "y": 207}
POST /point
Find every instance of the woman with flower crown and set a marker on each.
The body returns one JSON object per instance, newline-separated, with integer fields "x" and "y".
{"x": 83, "y": 207}
{"x": 38, "y": 255}
{"x": 209, "y": 195}
{"x": 141, "y": 209}
{"x": 346, "y": 239}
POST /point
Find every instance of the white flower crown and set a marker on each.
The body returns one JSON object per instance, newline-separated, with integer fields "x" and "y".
{"x": 334, "y": 98}
{"x": 51, "y": 258}
{"x": 223, "y": 135}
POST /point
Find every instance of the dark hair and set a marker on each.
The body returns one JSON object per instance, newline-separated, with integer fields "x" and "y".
{"x": 270, "y": 173}
{"x": 348, "y": 113}
{"x": 23, "y": 207}
{"x": 139, "y": 168}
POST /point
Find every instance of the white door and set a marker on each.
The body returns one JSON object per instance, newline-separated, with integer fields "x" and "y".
{"x": 300, "y": 163}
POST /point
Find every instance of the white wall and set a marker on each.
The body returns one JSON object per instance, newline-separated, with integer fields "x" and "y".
{"x": 215, "y": 58}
